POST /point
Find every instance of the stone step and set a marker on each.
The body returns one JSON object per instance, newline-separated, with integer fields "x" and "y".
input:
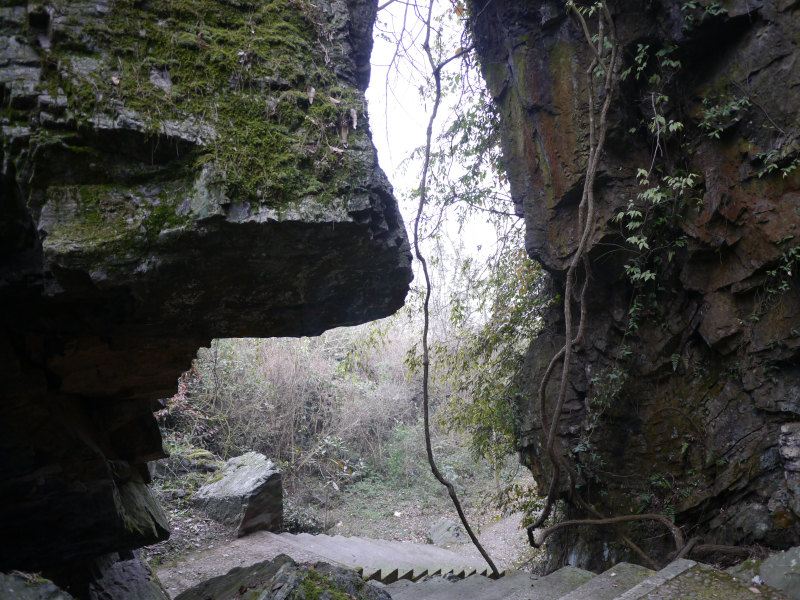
{"x": 558, "y": 583}
{"x": 300, "y": 550}
{"x": 384, "y": 560}
{"x": 514, "y": 586}
{"x": 671, "y": 571}
{"x": 431, "y": 554}
{"x": 611, "y": 583}
{"x": 688, "y": 579}
{"x": 379, "y": 560}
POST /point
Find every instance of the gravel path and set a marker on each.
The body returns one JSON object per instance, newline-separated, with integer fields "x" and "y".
{"x": 505, "y": 541}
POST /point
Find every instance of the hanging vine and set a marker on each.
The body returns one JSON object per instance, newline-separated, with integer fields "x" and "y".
{"x": 436, "y": 72}
{"x": 604, "y": 67}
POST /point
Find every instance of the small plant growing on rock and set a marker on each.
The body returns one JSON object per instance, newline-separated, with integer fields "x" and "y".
{"x": 775, "y": 161}
{"x": 695, "y": 13}
{"x": 722, "y": 114}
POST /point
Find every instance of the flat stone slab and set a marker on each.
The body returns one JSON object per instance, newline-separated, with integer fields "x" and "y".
{"x": 558, "y": 583}
{"x": 248, "y": 496}
{"x": 703, "y": 582}
{"x": 671, "y": 571}
{"x": 611, "y": 583}
{"x": 782, "y": 571}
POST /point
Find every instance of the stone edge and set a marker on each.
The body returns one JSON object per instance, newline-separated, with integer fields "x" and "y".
{"x": 671, "y": 571}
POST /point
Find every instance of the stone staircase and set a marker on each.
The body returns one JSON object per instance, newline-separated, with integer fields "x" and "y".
{"x": 410, "y": 571}
{"x": 375, "y": 560}
{"x": 680, "y": 580}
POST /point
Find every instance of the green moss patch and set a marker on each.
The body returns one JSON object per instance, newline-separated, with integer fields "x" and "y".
{"x": 260, "y": 74}
{"x": 316, "y": 586}
{"x": 109, "y": 219}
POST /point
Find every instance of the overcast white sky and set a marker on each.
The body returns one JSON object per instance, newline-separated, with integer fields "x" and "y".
{"x": 399, "y": 115}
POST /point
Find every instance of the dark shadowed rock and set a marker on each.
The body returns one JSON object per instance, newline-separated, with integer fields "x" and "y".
{"x": 704, "y": 425}
{"x": 21, "y": 586}
{"x": 114, "y": 576}
{"x": 247, "y": 496}
{"x": 166, "y": 178}
{"x": 128, "y": 578}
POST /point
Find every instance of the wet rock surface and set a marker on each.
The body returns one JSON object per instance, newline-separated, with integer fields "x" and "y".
{"x": 694, "y": 412}
{"x": 167, "y": 176}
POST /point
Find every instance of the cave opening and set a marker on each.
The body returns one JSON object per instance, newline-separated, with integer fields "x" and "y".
{"x": 317, "y": 444}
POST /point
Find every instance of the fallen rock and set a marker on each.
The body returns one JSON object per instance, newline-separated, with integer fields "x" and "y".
{"x": 248, "y": 496}
{"x": 284, "y": 579}
{"x": 446, "y": 532}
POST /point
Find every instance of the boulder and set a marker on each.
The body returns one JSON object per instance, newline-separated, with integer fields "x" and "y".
{"x": 248, "y": 495}
{"x": 446, "y": 531}
{"x": 125, "y": 578}
{"x": 283, "y": 579}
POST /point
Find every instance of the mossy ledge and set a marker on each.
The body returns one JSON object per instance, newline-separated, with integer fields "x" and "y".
{"x": 257, "y": 79}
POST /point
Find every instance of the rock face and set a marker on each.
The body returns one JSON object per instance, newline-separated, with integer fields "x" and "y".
{"x": 248, "y": 495}
{"x": 171, "y": 172}
{"x": 685, "y": 399}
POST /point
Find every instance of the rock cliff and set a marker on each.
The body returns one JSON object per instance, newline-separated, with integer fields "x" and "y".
{"x": 685, "y": 398}
{"x": 172, "y": 171}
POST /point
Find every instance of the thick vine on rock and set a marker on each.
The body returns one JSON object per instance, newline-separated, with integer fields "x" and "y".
{"x": 685, "y": 398}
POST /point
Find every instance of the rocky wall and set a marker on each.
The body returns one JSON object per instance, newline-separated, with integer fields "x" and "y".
{"x": 172, "y": 172}
{"x": 685, "y": 397}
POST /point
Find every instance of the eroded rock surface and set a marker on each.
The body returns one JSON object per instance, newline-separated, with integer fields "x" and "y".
{"x": 695, "y": 412}
{"x": 172, "y": 171}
